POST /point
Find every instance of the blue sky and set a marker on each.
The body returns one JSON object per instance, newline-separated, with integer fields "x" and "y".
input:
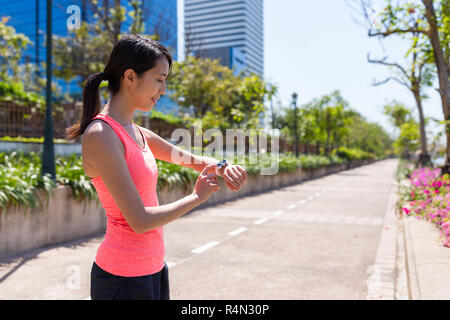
{"x": 315, "y": 47}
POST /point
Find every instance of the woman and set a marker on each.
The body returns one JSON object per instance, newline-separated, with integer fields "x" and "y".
{"x": 119, "y": 157}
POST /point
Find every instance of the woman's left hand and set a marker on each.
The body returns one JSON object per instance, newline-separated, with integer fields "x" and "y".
{"x": 234, "y": 176}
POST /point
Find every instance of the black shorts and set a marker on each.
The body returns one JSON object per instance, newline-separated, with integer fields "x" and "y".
{"x": 107, "y": 286}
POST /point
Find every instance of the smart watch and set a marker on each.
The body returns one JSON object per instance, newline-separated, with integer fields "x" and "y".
{"x": 222, "y": 163}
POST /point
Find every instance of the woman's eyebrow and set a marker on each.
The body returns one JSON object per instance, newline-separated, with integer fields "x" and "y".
{"x": 162, "y": 74}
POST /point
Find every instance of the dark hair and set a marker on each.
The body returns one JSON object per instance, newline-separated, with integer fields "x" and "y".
{"x": 132, "y": 51}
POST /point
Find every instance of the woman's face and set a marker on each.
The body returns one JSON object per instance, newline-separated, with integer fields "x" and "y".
{"x": 151, "y": 85}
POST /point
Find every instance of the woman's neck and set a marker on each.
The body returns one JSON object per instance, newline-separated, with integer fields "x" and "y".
{"x": 119, "y": 109}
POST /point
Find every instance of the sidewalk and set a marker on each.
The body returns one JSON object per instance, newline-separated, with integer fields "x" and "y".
{"x": 427, "y": 261}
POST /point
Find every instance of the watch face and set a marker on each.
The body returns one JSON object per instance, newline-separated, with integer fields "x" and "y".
{"x": 221, "y": 163}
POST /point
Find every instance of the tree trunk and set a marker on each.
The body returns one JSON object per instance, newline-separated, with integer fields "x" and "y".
{"x": 424, "y": 157}
{"x": 443, "y": 68}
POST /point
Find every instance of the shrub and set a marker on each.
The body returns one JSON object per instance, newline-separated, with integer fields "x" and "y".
{"x": 427, "y": 196}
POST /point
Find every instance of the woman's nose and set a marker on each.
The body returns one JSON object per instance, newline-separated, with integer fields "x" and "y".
{"x": 163, "y": 90}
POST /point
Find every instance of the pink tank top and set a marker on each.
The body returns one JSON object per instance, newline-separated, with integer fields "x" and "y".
{"x": 124, "y": 252}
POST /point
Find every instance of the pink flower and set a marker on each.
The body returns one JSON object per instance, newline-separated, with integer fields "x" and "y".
{"x": 406, "y": 210}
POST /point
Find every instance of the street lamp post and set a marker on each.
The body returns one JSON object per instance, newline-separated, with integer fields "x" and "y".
{"x": 294, "y": 98}
{"x": 48, "y": 156}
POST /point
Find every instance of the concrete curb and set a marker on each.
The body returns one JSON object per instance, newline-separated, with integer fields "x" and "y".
{"x": 427, "y": 261}
{"x": 410, "y": 263}
{"x": 382, "y": 282}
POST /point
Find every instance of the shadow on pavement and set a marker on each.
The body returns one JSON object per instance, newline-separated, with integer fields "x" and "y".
{"x": 8, "y": 261}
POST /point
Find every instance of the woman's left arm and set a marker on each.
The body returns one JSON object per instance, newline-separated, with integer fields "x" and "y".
{"x": 233, "y": 175}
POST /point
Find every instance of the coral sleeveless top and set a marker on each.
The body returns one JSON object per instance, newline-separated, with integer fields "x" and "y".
{"x": 124, "y": 252}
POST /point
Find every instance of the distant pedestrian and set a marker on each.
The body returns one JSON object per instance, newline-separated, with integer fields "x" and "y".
{"x": 119, "y": 157}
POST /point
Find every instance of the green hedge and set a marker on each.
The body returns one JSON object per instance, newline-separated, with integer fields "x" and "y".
{"x": 14, "y": 91}
{"x": 353, "y": 154}
{"x": 20, "y": 174}
{"x": 31, "y": 140}
{"x": 169, "y": 118}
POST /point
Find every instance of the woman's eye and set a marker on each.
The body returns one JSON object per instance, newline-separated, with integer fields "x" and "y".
{"x": 160, "y": 81}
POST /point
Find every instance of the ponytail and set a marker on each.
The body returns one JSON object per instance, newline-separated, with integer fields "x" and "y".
{"x": 91, "y": 105}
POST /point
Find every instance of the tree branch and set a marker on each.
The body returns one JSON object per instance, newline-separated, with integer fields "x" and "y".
{"x": 396, "y": 31}
{"x": 391, "y": 78}
{"x": 383, "y": 62}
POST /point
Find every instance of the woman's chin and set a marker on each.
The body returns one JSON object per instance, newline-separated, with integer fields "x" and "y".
{"x": 148, "y": 107}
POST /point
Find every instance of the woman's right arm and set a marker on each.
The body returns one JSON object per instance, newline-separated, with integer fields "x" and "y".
{"x": 106, "y": 155}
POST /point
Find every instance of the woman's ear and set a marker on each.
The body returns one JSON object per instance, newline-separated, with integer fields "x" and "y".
{"x": 130, "y": 78}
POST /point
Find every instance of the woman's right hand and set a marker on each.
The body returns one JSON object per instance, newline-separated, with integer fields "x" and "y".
{"x": 206, "y": 183}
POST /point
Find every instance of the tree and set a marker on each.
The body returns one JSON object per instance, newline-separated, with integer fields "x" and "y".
{"x": 409, "y": 134}
{"x": 429, "y": 18}
{"x": 12, "y": 45}
{"x": 330, "y": 118}
{"x": 194, "y": 84}
{"x": 415, "y": 77}
{"x": 332, "y": 110}
{"x": 370, "y": 137}
{"x": 212, "y": 93}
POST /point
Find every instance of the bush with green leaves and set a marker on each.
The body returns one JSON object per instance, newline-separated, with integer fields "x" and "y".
{"x": 14, "y": 91}
{"x": 20, "y": 177}
{"x": 20, "y": 174}
{"x": 353, "y": 154}
{"x": 31, "y": 140}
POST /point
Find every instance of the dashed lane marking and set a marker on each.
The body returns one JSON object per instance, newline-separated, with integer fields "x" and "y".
{"x": 237, "y": 231}
{"x": 205, "y": 247}
{"x": 260, "y": 221}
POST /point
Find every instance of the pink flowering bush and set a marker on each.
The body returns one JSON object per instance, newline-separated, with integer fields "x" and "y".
{"x": 428, "y": 198}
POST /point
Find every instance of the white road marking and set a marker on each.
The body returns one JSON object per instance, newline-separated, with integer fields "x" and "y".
{"x": 323, "y": 218}
{"x": 336, "y": 219}
{"x": 317, "y": 194}
{"x": 301, "y": 202}
{"x": 237, "y": 231}
{"x": 376, "y": 221}
{"x": 205, "y": 247}
{"x": 362, "y": 221}
{"x": 279, "y": 212}
{"x": 292, "y": 206}
{"x": 310, "y": 198}
{"x": 260, "y": 221}
{"x": 310, "y": 217}
{"x": 349, "y": 220}
{"x": 170, "y": 264}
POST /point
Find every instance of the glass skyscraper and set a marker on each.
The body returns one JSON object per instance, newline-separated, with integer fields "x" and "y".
{"x": 231, "y": 30}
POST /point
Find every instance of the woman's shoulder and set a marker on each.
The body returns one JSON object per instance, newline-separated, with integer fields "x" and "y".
{"x": 99, "y": 134}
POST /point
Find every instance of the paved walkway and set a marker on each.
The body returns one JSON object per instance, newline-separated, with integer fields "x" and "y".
{"x": 316, "y": 240}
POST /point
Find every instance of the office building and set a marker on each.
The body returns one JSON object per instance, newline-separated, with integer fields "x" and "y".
{"x": 229, "y": 30}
